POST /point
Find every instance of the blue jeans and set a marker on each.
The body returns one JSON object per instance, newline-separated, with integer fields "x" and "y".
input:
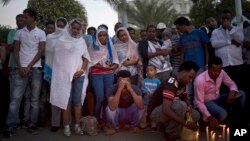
{"x": 75, "y": 98}
{"x": 131, "y": 115}
{"x": 100, "y": 83}
{"x": 33, "y": 80}
{"x": 26, "y": 115}
{"x": 220, "y": 109}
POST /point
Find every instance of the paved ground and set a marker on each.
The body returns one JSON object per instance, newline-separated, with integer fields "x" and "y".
{"x": 46, "y": 135}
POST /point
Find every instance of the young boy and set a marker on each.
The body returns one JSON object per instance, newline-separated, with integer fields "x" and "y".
{"x": 149, "y": 86}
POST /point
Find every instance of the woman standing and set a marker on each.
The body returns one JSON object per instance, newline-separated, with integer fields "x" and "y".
{"x": 69, "y": 64}
{"x": 104, "y": 62}
{"x": 128, "y": 56}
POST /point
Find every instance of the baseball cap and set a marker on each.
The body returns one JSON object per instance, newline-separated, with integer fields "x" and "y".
{"x": 161, "y": 26}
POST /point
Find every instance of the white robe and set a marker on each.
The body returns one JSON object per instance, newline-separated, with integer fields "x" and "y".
{"x": 67, "y": 60}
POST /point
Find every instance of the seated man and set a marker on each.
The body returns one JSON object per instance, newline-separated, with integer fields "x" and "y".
{"x": 172, "y": 102}
{"x": 125, "y": 104}
{"x": 214, "y": 106}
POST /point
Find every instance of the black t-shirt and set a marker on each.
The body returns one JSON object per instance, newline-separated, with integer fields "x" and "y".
{"x": 126, "y": 99}
{"x": 167, "y": 90}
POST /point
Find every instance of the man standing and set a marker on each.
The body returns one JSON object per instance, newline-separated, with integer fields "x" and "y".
{"x": 28, "y": 49}
{"x": 125, "y": 104}
{"x": 211, "y": 24}
{"x": 227, "y": 40}
{"x": 169, "y": 103}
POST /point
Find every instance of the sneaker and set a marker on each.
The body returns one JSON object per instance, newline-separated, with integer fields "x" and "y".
{"x": 66, "y": 131}
{"x": 32, "y": 130}
{"x": 78, "y": 130}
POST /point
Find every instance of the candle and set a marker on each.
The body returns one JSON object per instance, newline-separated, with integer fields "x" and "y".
{"x": 228, "y": 134}
{"x": 197, "y": 136}
{"x": 207, "y": 133}
{"x": 213, "y": 137}
{"x": 223, "y": 131}
{"x": 211, "y": 134}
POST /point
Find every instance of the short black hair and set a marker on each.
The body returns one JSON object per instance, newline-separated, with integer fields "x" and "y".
{"x": 49, "y": 22}
{"x": 150, "y": 26}
{"x": 189, "y": 65}
{"x": 123, "y": 74}
{"x": 19, "y": 15}
{"x": 31, "y": 12}
{"x": 210, "y": 16}
{"x": 214, "y": 60}
{"x": 130, "y": 28}
{"x": 182, "y": 21}
{"x": 91, "y": 28}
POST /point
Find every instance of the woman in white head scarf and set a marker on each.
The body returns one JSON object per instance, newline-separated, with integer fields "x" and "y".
{"x": 104, "y": 62}
{"x": 127, "y": 53}
{"x": 70, "y": 61}
{"x": 61, "y": 26}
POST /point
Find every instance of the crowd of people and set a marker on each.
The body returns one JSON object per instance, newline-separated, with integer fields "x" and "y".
{"x": 151, "y": 82}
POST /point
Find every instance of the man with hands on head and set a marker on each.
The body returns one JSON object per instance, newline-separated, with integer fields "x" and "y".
{"x": 125, "y": 104}
{"x": 216, "y": 107}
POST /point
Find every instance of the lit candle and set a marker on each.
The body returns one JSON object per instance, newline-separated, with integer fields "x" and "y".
{"x": 207, "y": 133}
{"x": 211, "y": 134}
{"x": 223, "y": 131}
{"x": 213, "y": 137}
{"x": 228, "y": 134}
{"x": 197, "y": 136}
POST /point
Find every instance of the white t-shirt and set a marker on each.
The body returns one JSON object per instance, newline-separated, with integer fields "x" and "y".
{"x": 29, "y": 41}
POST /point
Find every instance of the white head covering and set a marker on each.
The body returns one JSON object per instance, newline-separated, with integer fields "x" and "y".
{"x": 125, "y": 51}
{"x": 110, "y": 56}
{"x": 66, "y": 62}
{"x": 49, "y": 49}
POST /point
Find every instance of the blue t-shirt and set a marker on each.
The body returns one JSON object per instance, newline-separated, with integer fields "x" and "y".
{"x": 149, "y": 86}
{"x": 193, "y": 49}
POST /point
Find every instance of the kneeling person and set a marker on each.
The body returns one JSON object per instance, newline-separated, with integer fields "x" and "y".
{"x": 169, "y": 103}
{"x": 125, "y": 104}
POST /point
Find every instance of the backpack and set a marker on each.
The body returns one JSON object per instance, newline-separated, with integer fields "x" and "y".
{"x": 89, "y": 125}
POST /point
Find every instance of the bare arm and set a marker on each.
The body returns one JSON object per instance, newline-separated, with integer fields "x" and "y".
{"x": 113, "y": 101}
{"x": 16, "y": 52}
{"x": 41, "y": 47}
{"x": 137, "y": 99}
{"x": 83, "y": 68}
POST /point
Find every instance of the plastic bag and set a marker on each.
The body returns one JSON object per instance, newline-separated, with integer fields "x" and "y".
{"x": 89, "y": 125}
{"x": 187, "y": 134}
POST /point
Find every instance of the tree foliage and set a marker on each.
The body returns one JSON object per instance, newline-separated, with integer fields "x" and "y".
{"x": 204, "y": 8}
{"x": 143, "y": 13}
{"x": 3, "y": 33}
{"x": 53, "y": 9}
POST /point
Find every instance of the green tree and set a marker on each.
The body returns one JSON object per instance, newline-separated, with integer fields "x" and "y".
{"x": 142, "y": 13}
{"x": 200, "y": 10}
{"x": 203, "y": 8}
{"x": 51, "y": 10}
{"x": 4, "y": 33}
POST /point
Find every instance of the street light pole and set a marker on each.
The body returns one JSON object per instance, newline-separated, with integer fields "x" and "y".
{"x": 238, "y": 8}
